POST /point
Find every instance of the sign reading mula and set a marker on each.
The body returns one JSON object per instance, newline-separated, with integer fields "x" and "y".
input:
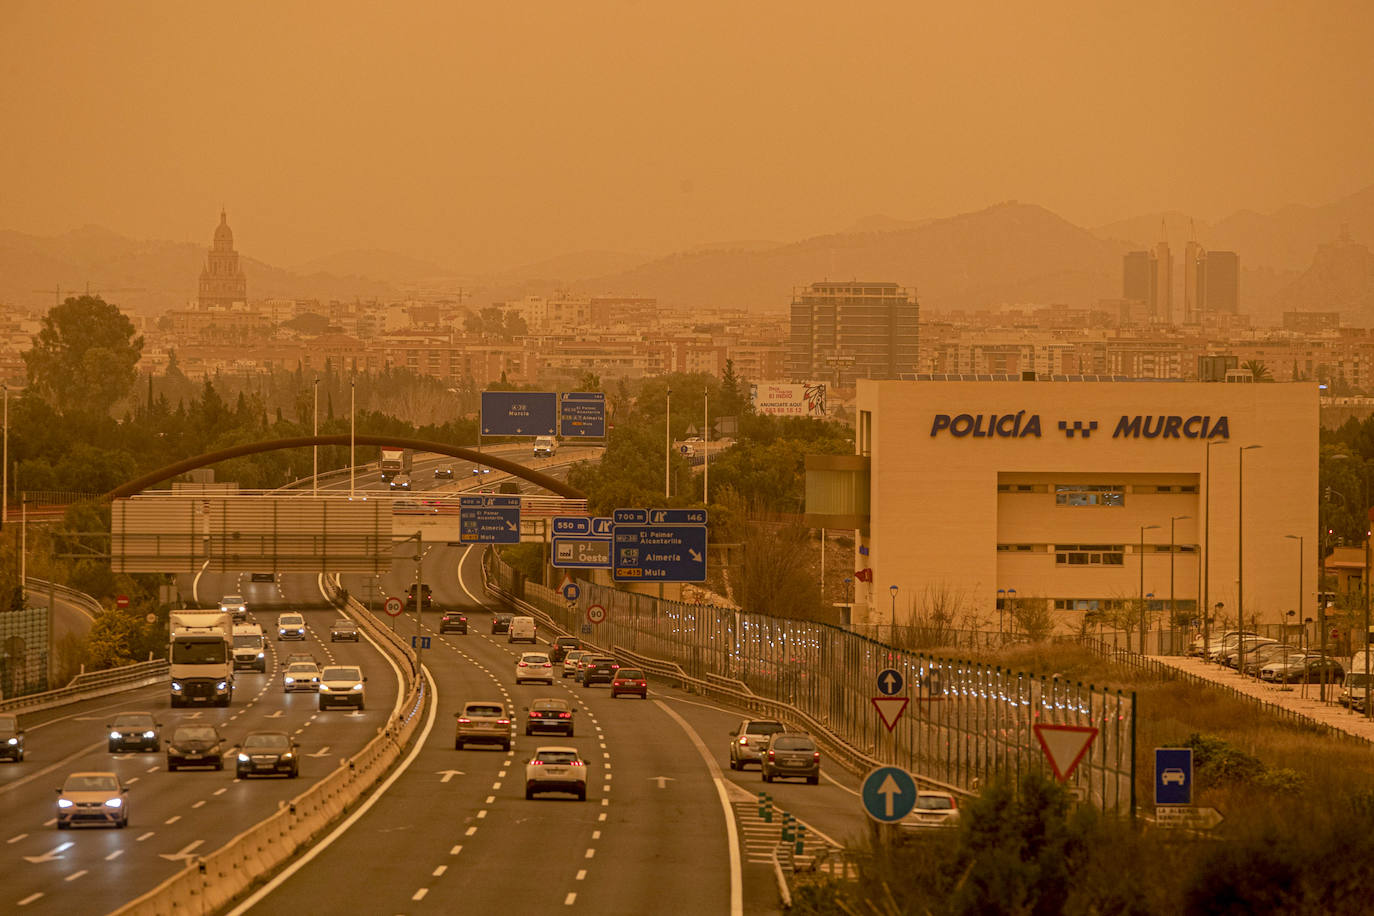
{"x": 1020, "y": 425}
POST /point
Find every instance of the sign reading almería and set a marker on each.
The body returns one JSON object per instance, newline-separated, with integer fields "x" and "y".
{"x": 1021, "y": 425}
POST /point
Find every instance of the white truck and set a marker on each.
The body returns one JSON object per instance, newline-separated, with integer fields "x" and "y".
{"x": 250, "y": 647}
{"x": 394, "y": 461}
{"x": 545, "y": 446}
{"x": 202, "y": 662}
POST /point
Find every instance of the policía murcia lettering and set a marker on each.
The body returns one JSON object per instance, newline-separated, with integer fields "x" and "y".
{"x": 1021, "y": 425}
{"x": 982, "y": 426}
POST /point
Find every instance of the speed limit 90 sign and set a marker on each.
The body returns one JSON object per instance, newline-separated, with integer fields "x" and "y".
{"x": 595, "y": 613}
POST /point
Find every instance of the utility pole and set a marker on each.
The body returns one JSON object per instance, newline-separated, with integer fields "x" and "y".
{"x": 667, "y": 444}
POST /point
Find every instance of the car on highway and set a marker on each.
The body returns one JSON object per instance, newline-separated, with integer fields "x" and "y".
{"x": 301, "y": 676}
{"x": 428, "y": 600}
{"x": 250, "y": 647}
{"x": 134, "y": 731}
{"x": 549, "y": 714}
{"x": 343, "y": 630}
{"x": 341, "y": 685}
{"x": 11, "y": 738}
{"x": 748, "y": 740}
{"x": 598, "y": 669}
{"x": 235, "y": 606}
{"x": 443, "y": 472}
{"x": 570, "y": 662}
{"x": 400, "y": 482}
{"x": 263, "y": 577}
{"x": 534, "y": 666}
{"x": 500, "y": 622}
{"x": 479, "y": 469}
{"x": 453, "y": 622}
{"x": 268, "y": 754}
{"x": 556, "y": 769}
{"x": 92, "y": 798}
{"x": 299, "y": 657}
{"x": 933, "y": 809}
{"x": 631, "y": 682}
{"x": 290, "y": 626}
{"x": 791, "y": 755}
{"x": 521, "y": 630}
{"x": 482, "y": 722}
{"x": 193, "y": 745}
{"x": 562, "y": 645}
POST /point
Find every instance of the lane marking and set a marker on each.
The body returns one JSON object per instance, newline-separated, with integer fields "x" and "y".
{"x": 16, "y": 838}
{"x": 590, "y": 853}
{"x": 455, "y": 850}
{"x": 420, "y": 894}
{"x": 199, "y": 803}
{"x": 568, "y": 900}
{"x": 76, "y": 874}
{"x": 581, "y": 874}
{"x": 114, "y": 855}
{"x": 471, "y": 831}
{"x": 32, "y": 897}
{"x": 601, "y": 816}
{"x": 144, "y": 837}
{"x": 173, "y": 819}
{"x": 440, "y": 870}
{"x": 481, "y": 814}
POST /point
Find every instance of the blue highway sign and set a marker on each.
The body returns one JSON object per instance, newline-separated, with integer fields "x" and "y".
{"x": 489, "y": 519}
{"x": 889, "y": 794}
{"x": 580, "y": 553}
{"x": 582, "y": 415}
{"x": 519, "y": 413}
{"x": 890, "y": 682}
{"x": 677, "y": 516}
{"x": 1173, "y": 776}
{"x": 659, "y": 553}
{"x": 601, "y": 526}
{"x": 630, "y": 516}
{"x": 422, "y": 640}
{"x": 572, "y": 524}
{"x": 571, "y": 591}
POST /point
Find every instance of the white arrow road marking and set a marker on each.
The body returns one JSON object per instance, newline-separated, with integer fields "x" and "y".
{"x": 662, "y": 781}
{"x": 449, "y": 774}
{"x": 888, "y": 789}
{"x": 185, "y": 852}
{"x": 320, "y": 753}
{"x": 51, "y": 854}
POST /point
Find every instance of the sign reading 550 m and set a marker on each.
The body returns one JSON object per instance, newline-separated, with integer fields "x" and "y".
{"x": 1021, "y": 425}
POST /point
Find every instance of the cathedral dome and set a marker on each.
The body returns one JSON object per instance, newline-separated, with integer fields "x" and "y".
{"x": 224, "y": 236}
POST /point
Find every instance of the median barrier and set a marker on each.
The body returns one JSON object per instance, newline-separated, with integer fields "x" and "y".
{"x": 91, "y": 685}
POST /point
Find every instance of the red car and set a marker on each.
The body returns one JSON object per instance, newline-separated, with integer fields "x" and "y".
{"x": 630, "y": 681}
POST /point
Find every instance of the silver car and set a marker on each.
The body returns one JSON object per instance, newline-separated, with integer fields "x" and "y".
{"x": 748, "y": 740}
{"x": 92, "y": 798}
{"x": 791, "y": 755}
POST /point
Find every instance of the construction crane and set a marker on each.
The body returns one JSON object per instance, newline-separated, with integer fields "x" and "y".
{"x": 57, "y": 291}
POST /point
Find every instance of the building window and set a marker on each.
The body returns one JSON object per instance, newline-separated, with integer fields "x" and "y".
{"x": 1169, "y": 488}
{"x": 1019, "y": 488}
{"x": 1089, "y": 554}
{"x": 1075, "y": 495}
{"x": 1016, "y": 548}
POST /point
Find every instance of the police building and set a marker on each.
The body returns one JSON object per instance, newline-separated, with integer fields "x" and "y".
{"x": 1085, "y": 498}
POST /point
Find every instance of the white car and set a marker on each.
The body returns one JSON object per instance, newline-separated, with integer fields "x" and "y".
{"x": 301, "y": 676}
{"x": 290, "y": 626}
{"x": 341, "y": 685}
{"x": 534, "y": 666}
{"x": 556, "y": 769}
{"x": 933, "y": 809}
{"x": 92, "y": 798}
{"x": 235, "y": 605}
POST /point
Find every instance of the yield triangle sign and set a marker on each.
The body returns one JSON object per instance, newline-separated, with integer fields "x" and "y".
{"x": 1064, "y": 746}
{"x": 890, "y": 709}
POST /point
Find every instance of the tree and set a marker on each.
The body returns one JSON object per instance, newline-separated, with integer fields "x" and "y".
{"x": 85, "y": 357}
{"x": 733, "y": 394}
{"x": 1258, "y": 370}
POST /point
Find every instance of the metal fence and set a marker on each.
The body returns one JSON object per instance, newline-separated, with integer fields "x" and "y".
{"x": 966, "y": 722}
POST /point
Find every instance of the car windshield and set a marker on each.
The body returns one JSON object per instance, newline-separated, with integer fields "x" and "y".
{"x": 347, "y": 624}
{"x": 197, "y": 651}
{"x": 132, "y": 721}
{"x": 630, "y": 674}
{"x": 195, "y": 733}
{"x": 535, "y": 659}
{"x": 301, "y": 668}
{"x": 792, "y": 744}
{"x": 569, "y": 641}
{"x": 89, "y": 782}
{"x": 231, "y": 599}
{"x": 484, "y": 709}
{"x": 556, "y": 756}
{"x": 247, "y": 642}
{"x": 290, "y": 620}
{"x": 271, "y": 742}
{"x": 759, "y": 727}
{"x": 343, "y": 674}
{"x": 934, "y": 802}
{"x": 549, "y": 704}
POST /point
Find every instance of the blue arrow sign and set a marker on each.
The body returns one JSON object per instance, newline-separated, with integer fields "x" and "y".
{"x": 677, "y": 516}
{"x": 582, "y": 415}
{"x": 1173, "y": 776}
{"x": 630, "y": 516}
{"x": 519, "y": 413}
{"x": 890, "y": 682}
{"x": 489, "y": 519}
{"x": 571, "y": 591}
{"x": 601, "y": 526}
{"x": 572, "y": 524}
{"x": 659, "y": 553}
{"x": 888, "y": 793}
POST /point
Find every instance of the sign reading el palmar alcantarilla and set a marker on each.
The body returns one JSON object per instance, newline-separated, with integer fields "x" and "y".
{"x": 1021, "y": 425}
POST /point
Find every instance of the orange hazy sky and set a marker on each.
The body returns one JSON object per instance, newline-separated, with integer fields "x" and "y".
{"x": 483, "y": 135}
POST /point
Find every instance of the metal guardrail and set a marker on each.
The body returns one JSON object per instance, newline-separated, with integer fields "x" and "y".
{"x": 79, "y": 599}
{"x": 210, "y": 882}
{"x": 91, "y": 684}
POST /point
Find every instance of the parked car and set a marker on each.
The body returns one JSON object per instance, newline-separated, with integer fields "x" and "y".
{"x": 453, "y": 621}
{"x": 343, "y": 630}
{"x": 791, "y": 755}
{"x": 1303, "y": 667}
{"x": 11, "y": 738}
{"x": 1256, "y": 660}
{"x": 92, "y": 798}
{"x": 631, "y": 682}
{"x": 482, "y": 722}
{"x": 268, "y": 754}
{"x": 549, "y": 714}
{"x": 134, "y": 731}
{"x": 1355, "y": 689}
{"x": 1226, "y": 641}
{"x": 748, "y": 740}
{"x": 195, "y": 746}
{"x": 534, "y": 666}
{"x": 556, "y": 769}
{"x": 1244, "y": 646}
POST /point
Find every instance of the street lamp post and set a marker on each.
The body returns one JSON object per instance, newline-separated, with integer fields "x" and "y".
{"x": 668, "y": 442}
{"x": 1240, "y": 556}
{"x": 893, "y": 634}
{"x": 1143, "y": 625}
{"x": 1207, "y": 552}
{"x": 352, "y": 432}
{"x": 1173, "y": 605}
{"x": 1001, "y": 609}
{"x": 315, "y": 449}
{"x": 1297, "y": 612}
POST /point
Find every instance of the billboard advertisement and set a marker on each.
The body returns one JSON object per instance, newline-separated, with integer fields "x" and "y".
{"x": 789, "y": 399}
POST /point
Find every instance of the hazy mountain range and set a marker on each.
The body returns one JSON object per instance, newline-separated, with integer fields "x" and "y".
{"x": 1008, "y": 253}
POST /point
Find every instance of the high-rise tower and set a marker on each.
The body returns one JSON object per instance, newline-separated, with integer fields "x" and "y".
{"x": 222, "y": 282}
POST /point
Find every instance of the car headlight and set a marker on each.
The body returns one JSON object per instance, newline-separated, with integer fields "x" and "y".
{"x": 14, "y": 741}
{"x": 291, "y": 680}
{"x": 114, "y": 802}
{"x": 65, "y": 803}
{"x": 115, "y": 736}
{"x": 150, "y": 734}
{"x": 357, "y": 686}
{"x": 324, "y": 688}
{"x": 286, "y": 756}
{"x": 222, "y": 685}
{"x": 176, "y": 687}
{"x": 243, "y": 758}
{"x": 261, "y": 655}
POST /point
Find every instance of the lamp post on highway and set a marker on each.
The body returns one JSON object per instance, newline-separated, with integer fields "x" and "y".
{"x": 315, "y": 449}
{"x": 892, "y": 635}
{"x": 352, "y": 432}
{"x": 705, "y": 448}
{"x": 1173, "y": 605}
{"x": 1001, "y": 609}
{"x": 667, "y": 442}
{"x": 1143, "y": 624}
{"x": 1207, "y": 551}
{"x": 5, "y": 466}
{"x": 1240, "y": 557}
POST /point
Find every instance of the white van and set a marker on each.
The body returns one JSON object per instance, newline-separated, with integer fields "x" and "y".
{"x": 521, "y": 630}
{"x": 250, "y": 647}
{"x": 545, "y": 446}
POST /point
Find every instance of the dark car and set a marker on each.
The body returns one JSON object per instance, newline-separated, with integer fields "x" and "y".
{"x": 263, "y": 577}
{"x": 11, "y": 739}
{"x": 343, "y": 630}
{"x": 791, "y": 755}
{"x": 453, "y": 621}
{"x": 500, "y": 622}
{"x": 426, "y": 591}
{"x": 134, "y": 731}
{"x": 267, "y": 754}
{"x": 549, "y": 715}
{"x": 195, "y": 746}
{"x": 562, "y": 646}
{"x": 443, "y": 473}
{"x": 599, "y": 669}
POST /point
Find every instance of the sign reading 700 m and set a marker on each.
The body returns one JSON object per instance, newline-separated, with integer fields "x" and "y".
{"x": 659, "y": 546}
